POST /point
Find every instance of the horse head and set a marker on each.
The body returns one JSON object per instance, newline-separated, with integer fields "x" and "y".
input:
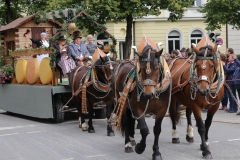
{"x": 149, "y": 70}
{"x": 205, "y": 67}
{"x": 104, "y": 69}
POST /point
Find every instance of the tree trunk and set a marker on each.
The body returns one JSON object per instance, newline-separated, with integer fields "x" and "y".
{"x": 128, "y": 38}
{"x": 8, "y": 12}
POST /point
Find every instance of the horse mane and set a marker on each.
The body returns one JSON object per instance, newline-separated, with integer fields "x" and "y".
{"x": 209, "y": 52}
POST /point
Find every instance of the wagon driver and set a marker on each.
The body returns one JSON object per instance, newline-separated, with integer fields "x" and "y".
{"x": 78, "y": 49}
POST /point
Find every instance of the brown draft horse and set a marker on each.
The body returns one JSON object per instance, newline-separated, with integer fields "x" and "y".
{"x": 197, "y": 84}
{"x": 100, "y": 75}
{"x": 143, "y": 98}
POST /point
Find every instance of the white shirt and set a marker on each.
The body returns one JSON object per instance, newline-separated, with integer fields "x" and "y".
{"x": 45, "y": 43}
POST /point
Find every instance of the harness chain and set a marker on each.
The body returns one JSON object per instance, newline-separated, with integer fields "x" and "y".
{"x": 84, "y": 90}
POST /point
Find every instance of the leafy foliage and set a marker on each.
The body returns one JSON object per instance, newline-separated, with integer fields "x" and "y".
{"x": 221, "y": 12}
{"x": 127, "y": 10}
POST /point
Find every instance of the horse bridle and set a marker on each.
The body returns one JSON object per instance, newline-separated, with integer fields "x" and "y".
{"x": 102, "y": 66}
{"x": 149, "y": 82}
{"x": 193, "y": 75}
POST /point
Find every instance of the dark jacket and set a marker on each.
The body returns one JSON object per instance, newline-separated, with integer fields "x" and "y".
{"x": 38, "y": 42}
{"x": 229, "y": 70}
{"x": 92, "y": 47}
{"x": 76, "y": 52}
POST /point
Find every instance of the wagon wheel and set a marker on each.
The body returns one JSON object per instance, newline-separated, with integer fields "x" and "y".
{"x": 58, "y": 116}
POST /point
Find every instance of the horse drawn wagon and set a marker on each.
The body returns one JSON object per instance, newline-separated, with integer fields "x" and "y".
{"x": 37, "y": 89}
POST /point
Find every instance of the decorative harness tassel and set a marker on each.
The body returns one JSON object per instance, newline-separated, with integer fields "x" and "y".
{"x": 122, "y": 99}
{"x": 84, "y": 90}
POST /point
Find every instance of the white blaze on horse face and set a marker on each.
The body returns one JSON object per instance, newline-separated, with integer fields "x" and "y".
{"x": 190, "y": 131}
{"x": 174, "y": 134}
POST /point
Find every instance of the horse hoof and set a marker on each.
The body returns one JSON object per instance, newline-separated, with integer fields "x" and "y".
{"x": 189, "y": 139}
{"x": 133, "y": 142}
{"x": 157, "y": 157}
{"x": 128, "y": 149}
{"x": 207, "y": 154}
{"x": 139, "y": 149}
{"x": 84, "y": 128}
{"x": 175, "y": 140}
{"x": 80, "y": 126}
{"x": 111, "y": 134}
{"x": 202, "y": 148}
{"x": 91, "y": 131}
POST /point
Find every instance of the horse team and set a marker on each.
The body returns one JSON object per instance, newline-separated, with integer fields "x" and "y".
{"x": 133, "y": 88}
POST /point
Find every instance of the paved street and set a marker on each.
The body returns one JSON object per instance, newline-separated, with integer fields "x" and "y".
{"x": 25, "y": 138}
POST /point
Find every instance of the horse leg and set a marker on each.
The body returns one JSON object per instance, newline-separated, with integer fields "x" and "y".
{"x": 201, "y": 130}
{"x": 157, "y": 130}
{"x": 90, "y": 114}
{"x": 189, "y": 136}
{"x": 127, "y": 120}
{"x": 82, "y": 123}
{"x": 174, "y": 117}
{"x": 140, "y": 147}
{"x": 209, "y": 118}
{"x": 110, "y": 131}
{"x": 132, "y": 130}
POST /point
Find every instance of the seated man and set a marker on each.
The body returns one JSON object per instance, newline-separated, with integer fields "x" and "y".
{"x": 77, "y": 49}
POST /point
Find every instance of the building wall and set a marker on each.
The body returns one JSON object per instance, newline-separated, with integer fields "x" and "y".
{"x": 234, "y": 39}
{"x": 158, "y": 29}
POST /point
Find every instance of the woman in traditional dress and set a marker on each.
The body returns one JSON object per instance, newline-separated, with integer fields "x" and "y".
{"x": 64, "y": 60}
{"x": 91, "y": 47}
{"x": 43, "y": 42}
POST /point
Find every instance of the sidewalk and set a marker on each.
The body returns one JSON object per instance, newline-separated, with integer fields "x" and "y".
{"x": 224, "y": 117}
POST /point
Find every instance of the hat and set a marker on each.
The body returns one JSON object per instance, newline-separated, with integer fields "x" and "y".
{"x": 76, "y": 34}
{"x": 183, "y": 50}
{"x": 61, "y": 37}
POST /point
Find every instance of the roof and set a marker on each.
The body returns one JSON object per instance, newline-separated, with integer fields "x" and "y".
{"x": 18, "y": 22}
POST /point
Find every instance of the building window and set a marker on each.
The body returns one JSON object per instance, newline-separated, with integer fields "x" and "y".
{"x": 10, "y": 46}
{"x": 196, "y": 36}
{"x": 121, "y": 49}
{"x": 197, "y": 3}
{"x": 174, "y": 41}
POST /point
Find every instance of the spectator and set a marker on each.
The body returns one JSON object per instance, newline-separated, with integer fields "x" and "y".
{"x": 229, "y": 70}
{"x": 223, "y": 58}
{"x": 167, "y": 57}
{"x": 183, "y": 52}
{"x": 237, "y": 83}
{"x": 174, "y": 54}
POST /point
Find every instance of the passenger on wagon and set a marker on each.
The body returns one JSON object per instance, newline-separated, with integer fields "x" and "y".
{"x": 91, "y": 47}
{"x": 78, "y": 49}
{"x": 43, "y": 42}
{"x": 64, "y": 60}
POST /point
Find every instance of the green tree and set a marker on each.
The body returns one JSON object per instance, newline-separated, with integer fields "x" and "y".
{"x": 127, "y": 10}
{"x": 9, "y": 11}
{"x": 221, "y": 12}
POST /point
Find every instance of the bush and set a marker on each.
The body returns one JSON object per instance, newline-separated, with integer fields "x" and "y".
{"x": 6, "y": 74}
